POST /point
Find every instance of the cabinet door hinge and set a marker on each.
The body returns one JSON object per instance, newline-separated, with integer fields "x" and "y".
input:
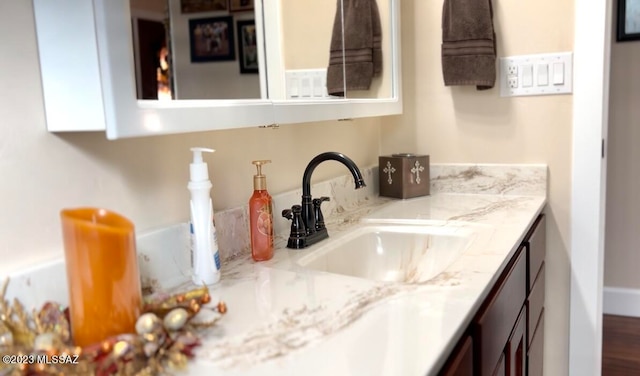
{"x": 602, "y": 149}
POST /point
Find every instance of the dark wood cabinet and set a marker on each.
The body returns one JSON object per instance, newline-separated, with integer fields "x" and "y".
{"x": 516, "y": 347}
{"x": 534, "y": 357}
{"x": 498, "y": 315}
{"x": 506, "y": 336}
{"x": 535, "y": 305}
{"x": 501, "y": 368}
{"x": 460, "y": 362}
{"x": 535, "y": 243}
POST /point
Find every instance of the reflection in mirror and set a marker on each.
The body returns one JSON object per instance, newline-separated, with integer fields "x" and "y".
{"x": 306, "y": 32}
{"x": 368, "y": 53}
{"x": 315, "y": 55}
{"x": 195, "y": 49}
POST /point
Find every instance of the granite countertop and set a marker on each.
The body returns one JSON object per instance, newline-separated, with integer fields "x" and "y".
{"x": 284, "y": 319}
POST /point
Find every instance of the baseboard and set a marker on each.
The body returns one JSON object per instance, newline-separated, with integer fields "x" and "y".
{"x": 621, "y": 301}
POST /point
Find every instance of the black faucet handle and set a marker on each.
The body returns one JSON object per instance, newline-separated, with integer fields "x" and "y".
{"x": 319, "y": 201}
{"x": 317, "y": 212}
{"x": 298, "y": 229}
{"x": 297, "y": 225}
{"x": 291, "y": 213}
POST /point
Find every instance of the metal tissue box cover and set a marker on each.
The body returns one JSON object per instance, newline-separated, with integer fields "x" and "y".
{"x": 404, "y": 175}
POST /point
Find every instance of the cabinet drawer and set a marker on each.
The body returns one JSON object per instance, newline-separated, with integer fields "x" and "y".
{"x": 536, "y": 351}
{"x": 536, "y": 245}
{"x": 535, "y": 303}
{"x": 516, "y": 348}
{"x": 498, "y": 316}
{"x": 460, "y": 362}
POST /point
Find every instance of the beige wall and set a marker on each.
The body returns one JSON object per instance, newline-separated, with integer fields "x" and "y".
{"x": 144, "y": 179}
{"x": 307, "y": 27}
{"x": 460, "y": 124}
{"x": 623, "y": 169}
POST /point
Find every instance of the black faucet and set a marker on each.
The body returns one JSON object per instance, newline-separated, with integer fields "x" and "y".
{"x": 307, "y": 226}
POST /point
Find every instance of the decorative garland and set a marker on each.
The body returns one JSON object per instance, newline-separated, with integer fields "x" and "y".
{"x": 166, "y": 334}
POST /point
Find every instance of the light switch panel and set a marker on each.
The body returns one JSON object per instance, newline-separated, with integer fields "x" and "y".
{"x": 306, "y": 83}
{"x": 541, "y": 74}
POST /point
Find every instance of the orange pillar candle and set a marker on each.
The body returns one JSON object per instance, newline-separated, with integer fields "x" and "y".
{"x": 102, "y": 273}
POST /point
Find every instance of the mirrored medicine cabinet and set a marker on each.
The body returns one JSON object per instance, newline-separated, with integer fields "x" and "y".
{"x": 137, "y": 68}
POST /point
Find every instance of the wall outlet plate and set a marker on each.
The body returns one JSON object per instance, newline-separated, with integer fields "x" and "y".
{"x": 548, "y": 74}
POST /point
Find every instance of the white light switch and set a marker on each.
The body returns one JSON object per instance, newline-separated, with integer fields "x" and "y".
{"x": 293, "y": 88}
{"x": 543, "y": 74}
{"x": 305, "y": 90}
{"x": 558, "y": 73}
{"x": 318, "y": 87}
{"x": 527, "y": 75}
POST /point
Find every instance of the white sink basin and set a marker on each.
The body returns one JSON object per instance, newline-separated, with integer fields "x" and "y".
{"x": 402, "y": 253}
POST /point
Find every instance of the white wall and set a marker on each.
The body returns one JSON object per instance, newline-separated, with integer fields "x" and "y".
{"x": 460, "y": 124}
{"x": 144, "y": 179}
{"x": 622, "y": 253}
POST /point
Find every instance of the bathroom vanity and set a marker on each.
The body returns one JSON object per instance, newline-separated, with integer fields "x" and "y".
{"x": 507, "y": 333}
{"x": 475, "y": 308}
{"x": 446, "y": 284}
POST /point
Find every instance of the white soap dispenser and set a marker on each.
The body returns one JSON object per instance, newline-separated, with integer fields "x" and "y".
{"x": 205, "y": 259}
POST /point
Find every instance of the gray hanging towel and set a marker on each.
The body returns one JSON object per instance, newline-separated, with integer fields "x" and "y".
{"x": 362, "y": 47}
{"x": 468, "y": 43}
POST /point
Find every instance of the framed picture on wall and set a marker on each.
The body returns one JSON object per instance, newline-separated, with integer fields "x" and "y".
{"x": 240, "y": 5}
{"x": 628, "y": 20}
{"x": 211, "y": 39}
{"x": 247, "y": 46}
{"x": 196, "y": 6}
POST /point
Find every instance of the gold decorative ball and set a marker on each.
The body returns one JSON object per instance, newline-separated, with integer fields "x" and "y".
{"x": 147, "y": 323}
{"x": 194, "y": 306}
{"x": 106, "y": 346}
{"x": 175, "y": 319}
{"x": 222, "y": 307}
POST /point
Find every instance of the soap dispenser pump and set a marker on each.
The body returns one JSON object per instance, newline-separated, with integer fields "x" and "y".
{"x": 261, "y": 216}
{"x": 205, "y": 258}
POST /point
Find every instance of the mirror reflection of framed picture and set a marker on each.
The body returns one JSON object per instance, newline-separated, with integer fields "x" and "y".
{"x": 211, "y": 39}
{"x": 247, "y": 46}
{"x": 196, "y": 6}
{"x": 628, "y": 20}
{"x": 240, "y": 5}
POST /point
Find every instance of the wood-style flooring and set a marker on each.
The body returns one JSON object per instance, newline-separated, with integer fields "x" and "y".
{"x": 620, "y": 346}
